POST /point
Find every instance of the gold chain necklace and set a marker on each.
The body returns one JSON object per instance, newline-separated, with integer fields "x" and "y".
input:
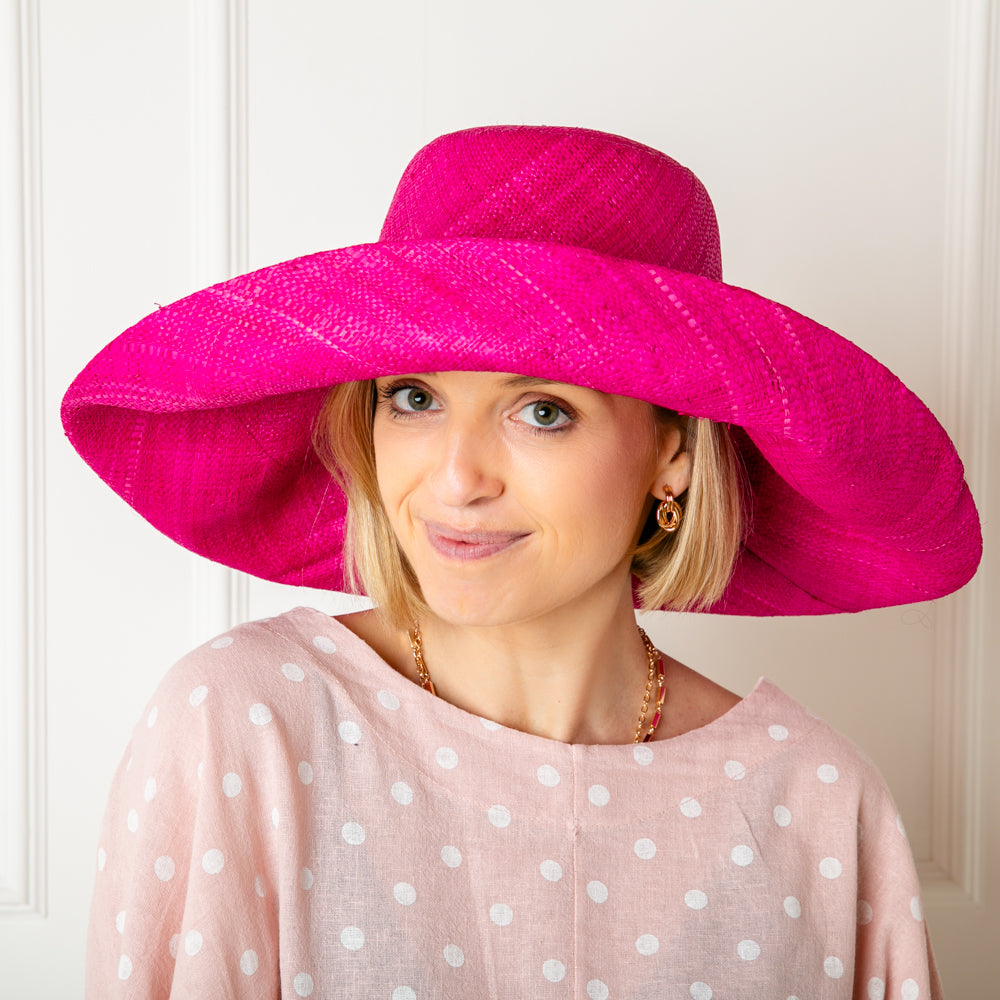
{"x": 655, "y": 673}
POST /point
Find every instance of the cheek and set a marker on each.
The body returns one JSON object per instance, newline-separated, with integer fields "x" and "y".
{"x": 390, "y": 467}
{"x": 605, "y": 505}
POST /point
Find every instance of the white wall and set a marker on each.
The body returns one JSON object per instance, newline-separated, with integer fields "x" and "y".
{"x": 146, "y": 149}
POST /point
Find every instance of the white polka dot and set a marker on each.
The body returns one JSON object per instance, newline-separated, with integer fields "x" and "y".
{"x": 828, "y": 774}
{"x": 305, "y": 772}
{"x": 647, "y": 944}
{"x": 690, "y": 808}
{"x": 830, "y": 868}
{"x": 151, "y": 718}
{"x": 306, "y": 880}
{"x": 876, "y": 989}
{"x": 910, "y": 990}
{"x": 734, "y": 769}
{"x": 402, "y": 793}
{"x": 164, "y": 868}
{"x": 695, "y": 899}
{"x": 778, "y": 733}
{"x": 598, "y": 795}
{"x": 451, "y": 856}
{"x": 102, "y": 858}
{"x": 388, "y": 700}
{"x": 551, "y": 870}
{"x": 643, "y": 755}
{"x": 149, "y": 792}
{"x": 782, "y": 816}
{"x": 249, "y": 962}
{"x": 175, "y": 945}
{"x": 701, "y": 991}
{"x": 132, "y": 821}
{"x": 404, "y": 993}
{"x": 353, "y": 833}
{"x": 197, "y": 696}
{"x": 352, "y": 938}
{"x": 201, "y": 769}
{"x": 454, "y": 956}
{"x": 793, "y": 907}
{"x": 548, "y": 776}
{"x": 404, "y": 893}
{"x": 303, "y": 983}
{"x": 120, "y": 922}
{"x": 349, "y": 732}
{"x": 644, "y": 848}
{"x": 742, "y": 855}
{"x": 260, "y": 715}
{"x": 275, "y": 817}
{"x": 232, "y": 785}
{"x": 501, "y": 914}
{"x": 124, "y": 967}
{"x": 490, "y": 725}
{"x": 597, "y": 891}
{"x": 833, "y": 967}
{"x": 597, "y": 990}
{"x": 258, "y": 887}
{"x": 499, "y": 816}
{"x": 865, "y": 913}
{"x": 222, "y": 642}
{"x": 916, "y": 909}
{"x": 192, "y": 942}
{"x": 749, "y": 951}
{"x": 554, "y": 971}
{"x": 899, "y": 824}
{"x": 325, "y": 644}
{"x": 293, "y": 671}
{"x": 446, "y": 758}
{"x": 213, "y": 861}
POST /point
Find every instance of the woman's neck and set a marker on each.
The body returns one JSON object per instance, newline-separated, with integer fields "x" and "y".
{"x": 577, "y": 675}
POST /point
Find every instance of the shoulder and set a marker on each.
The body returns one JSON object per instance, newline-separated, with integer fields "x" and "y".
{"x": 807, "y": 754}
{"x": 281, "y": 668}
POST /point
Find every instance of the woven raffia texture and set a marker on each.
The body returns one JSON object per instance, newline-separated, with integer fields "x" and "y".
{"x": 561, "y": 253}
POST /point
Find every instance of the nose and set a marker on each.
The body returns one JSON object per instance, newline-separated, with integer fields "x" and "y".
{"x": 466, "y": 467}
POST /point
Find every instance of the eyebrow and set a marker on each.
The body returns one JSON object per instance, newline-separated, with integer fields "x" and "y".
{"x": 519, "y": 381}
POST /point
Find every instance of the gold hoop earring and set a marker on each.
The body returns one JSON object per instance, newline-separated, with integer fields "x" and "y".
{"x": 669, "y": 514}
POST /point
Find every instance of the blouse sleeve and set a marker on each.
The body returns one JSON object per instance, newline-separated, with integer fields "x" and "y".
{"x": 893, "y": 955}
{"x": 183, "y": 904}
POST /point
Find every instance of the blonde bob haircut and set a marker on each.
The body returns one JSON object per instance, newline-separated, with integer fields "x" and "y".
{"x": 686, "y": 570}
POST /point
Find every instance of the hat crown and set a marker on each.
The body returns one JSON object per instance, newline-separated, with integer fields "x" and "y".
{"x": 572, "y": 186}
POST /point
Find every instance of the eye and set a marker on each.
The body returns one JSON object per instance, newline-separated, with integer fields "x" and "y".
{"x": 413, "y": 399}
{"x": 544, "y": 414}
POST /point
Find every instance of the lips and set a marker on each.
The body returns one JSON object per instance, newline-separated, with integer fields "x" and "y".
{"x": 467, "y": 545}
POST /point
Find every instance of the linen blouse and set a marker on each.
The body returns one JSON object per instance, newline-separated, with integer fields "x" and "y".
{"x": 294, "y": 818}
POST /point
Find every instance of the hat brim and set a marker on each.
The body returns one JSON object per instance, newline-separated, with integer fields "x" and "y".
{"x": 200, "y": 416}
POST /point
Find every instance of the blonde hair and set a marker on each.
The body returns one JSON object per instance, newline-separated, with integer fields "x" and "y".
{"x": 685, "y": 570}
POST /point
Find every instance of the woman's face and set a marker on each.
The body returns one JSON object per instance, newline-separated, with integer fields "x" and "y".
{"x": 512, "y": 497}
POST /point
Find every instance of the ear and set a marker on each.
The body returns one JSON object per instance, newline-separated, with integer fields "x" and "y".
{"x": 673, "y": 461}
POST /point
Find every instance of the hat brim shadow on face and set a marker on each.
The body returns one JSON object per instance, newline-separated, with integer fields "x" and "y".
{"x": 201, "y": 415}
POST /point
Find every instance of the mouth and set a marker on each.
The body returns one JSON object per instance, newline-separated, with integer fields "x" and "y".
{"x": 466, "y": 546}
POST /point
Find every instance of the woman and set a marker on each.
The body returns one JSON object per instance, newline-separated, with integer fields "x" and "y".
{"x": 536, "y": 404}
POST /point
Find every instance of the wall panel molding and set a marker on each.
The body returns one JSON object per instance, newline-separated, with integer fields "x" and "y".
{"x": 22, "y": 487}
{"x": 968, "y": 366}
{"x": 219, "y": 228}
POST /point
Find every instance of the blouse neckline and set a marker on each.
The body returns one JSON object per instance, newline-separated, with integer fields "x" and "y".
{"x": 474, "y": 756}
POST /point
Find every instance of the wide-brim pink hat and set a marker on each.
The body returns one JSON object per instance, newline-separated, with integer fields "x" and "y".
{"x": 561, "y": 253}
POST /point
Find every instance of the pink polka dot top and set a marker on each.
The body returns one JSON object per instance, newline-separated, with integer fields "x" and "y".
{"x": 294, "y": 818}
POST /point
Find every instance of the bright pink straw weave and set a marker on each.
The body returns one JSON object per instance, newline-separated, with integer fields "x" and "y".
{"x": 563, "y": 253}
